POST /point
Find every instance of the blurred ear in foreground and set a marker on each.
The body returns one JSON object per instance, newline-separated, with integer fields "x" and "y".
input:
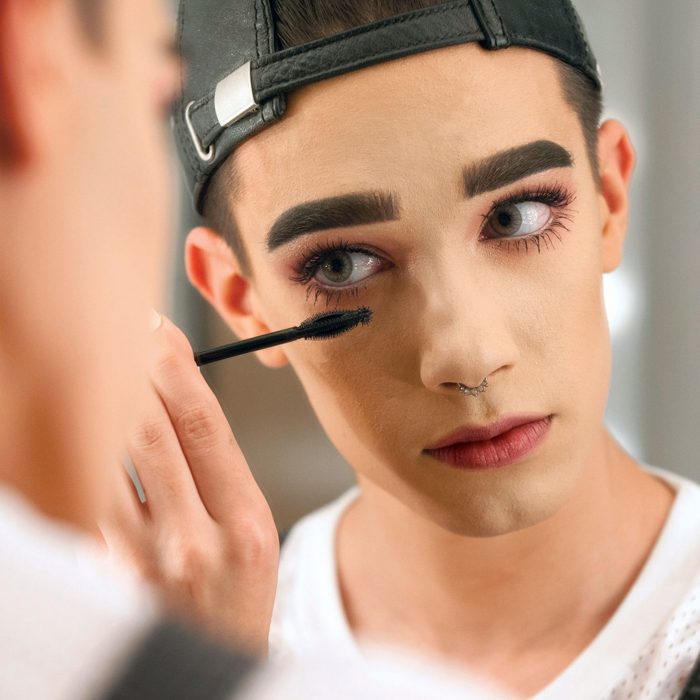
{"x": 14, "y": 139}
{"x": 36, "y": 47}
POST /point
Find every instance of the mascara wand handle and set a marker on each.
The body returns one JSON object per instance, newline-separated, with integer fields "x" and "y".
{"x": 323, "y": 326}
{"x": 250, "y": 345}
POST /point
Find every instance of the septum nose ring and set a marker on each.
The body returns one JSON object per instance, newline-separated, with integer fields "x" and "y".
{"x": 474, "y": 390}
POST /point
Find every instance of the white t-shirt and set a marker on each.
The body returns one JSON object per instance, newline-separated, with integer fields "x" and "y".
{"x": 646, "y": 650}
{"x": 68, "y": 617}
{"x": 380, "y": 674}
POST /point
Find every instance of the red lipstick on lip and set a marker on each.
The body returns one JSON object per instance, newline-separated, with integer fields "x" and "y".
{"x": 496, "y": 445}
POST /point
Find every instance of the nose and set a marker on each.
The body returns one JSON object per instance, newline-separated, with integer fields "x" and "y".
{"x": 466, "y": 336}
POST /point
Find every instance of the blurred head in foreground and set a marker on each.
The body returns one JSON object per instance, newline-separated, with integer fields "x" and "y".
{"x": 85, "y": 87}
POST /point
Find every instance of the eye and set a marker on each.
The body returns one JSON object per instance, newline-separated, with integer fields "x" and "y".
{"x": 343, "y": 268}
{"x": 514, "y": 219}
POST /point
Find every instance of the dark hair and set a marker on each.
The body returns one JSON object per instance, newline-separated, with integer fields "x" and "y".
{"x": 300, "y": 21}
{"x": 91, "y": 17}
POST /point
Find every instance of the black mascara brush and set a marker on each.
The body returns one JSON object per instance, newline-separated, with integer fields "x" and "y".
{"x": 321, "y": 326}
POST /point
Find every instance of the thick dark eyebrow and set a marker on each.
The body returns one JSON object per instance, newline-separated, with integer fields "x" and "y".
{"x": 507, "y": 167}
{"x": 333, "y": 212}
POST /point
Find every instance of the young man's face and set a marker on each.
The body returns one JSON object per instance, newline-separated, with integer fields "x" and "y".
{"x": 459, "y": 291}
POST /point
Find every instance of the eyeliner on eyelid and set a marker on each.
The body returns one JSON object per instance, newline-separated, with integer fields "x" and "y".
{"x": 558, "y": 197}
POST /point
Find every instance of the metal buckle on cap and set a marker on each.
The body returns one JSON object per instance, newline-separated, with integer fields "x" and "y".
{"x": 233, "y": 97}
{"x": 207, "y": 155}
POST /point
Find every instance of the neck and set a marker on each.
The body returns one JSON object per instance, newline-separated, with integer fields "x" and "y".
{"x": 57, "y": 424}
{"x": 45, "y": 455}
{"x": 463, "y": 595}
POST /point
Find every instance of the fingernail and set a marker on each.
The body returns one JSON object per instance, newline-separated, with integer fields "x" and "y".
{"x": 156, "y": 320}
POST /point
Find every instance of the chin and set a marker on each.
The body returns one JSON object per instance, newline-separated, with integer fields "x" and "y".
{"x": 495, "y": 520}
{"x": 487, "y": 507}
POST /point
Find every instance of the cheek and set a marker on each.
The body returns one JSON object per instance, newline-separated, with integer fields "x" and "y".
{"x": 141, "y": 198}
{"x": 362, "y": 399}
{"x": 353, "y": 381}
{"x": 125, "y": 210}
{"x": 570, "y": 346}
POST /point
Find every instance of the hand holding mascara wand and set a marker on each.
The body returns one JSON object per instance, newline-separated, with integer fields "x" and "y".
{"x": 200, "y": 501}
{"x": 322, "y": 326}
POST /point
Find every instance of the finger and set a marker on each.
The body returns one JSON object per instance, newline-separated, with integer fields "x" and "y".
{"x": 163, "y": 470}
{"x": 218, "y": 466}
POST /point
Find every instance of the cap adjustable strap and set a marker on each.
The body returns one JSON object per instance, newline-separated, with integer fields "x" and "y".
{"x": 491, "y": 24}
{"x": 247, "y": 87}
{"x": 293, "y": 68}
{"x": 252, "y": 96}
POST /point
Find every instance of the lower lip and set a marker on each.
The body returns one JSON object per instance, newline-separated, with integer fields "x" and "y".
{"x": 499, "y": 451}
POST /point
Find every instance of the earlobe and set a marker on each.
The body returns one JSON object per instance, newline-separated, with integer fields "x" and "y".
{"x": 214, "y": 271}
{"x": 616, "y": 158}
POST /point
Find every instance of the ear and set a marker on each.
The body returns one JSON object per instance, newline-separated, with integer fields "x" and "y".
{"x": 213, "y": 269}
{"x": 14, "y": 136}
{"x": 616, "y": 159}
{"x": 33, "y": 40}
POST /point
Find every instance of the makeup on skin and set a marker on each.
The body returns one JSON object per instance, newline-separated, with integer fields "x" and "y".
{"x": 497, "y": 445}
{"x": 530, "y": 218}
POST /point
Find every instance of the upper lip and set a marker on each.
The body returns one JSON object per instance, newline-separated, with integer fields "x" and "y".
{"x": 474, "y": 433}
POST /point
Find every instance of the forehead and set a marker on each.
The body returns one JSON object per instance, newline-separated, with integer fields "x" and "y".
{"x": 404, "y": 124}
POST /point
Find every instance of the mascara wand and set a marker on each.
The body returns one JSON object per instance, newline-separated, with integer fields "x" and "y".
{"x": 322, "y": 326}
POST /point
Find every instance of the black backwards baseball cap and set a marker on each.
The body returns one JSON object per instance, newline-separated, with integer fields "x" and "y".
{"x": 237, "y": 80}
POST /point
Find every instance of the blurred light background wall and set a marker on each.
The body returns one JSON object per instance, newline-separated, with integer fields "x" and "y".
{"x": 650, "y": 61}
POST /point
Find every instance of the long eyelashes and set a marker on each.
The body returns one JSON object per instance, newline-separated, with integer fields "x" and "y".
{"x": 309, "y": 262}
{"x": 307, "y": 266}
{"x": 557, "y": 197}
{"x": 338, "y": 295}
{"x": 542, "y": 240}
